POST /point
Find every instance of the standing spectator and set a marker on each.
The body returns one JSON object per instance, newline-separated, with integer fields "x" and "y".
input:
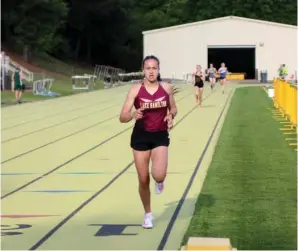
{"x": 283, "y": 71}
{"x": 17, "y": 84}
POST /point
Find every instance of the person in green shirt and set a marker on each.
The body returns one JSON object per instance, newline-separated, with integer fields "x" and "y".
{"x": 17, "y": 84}
{"x": 284, "y": 72}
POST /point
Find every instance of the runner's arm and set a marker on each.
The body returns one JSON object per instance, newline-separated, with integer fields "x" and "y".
{"x": 125, "y": 115}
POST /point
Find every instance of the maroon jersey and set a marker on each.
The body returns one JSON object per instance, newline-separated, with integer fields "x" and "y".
{"x": 155, "y": 109}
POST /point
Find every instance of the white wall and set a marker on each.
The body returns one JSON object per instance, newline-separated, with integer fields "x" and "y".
{"x": 180, "y": 49}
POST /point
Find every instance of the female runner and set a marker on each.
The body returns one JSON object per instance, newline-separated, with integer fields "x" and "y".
{"x": 212, "y": 75}
{"x": 223, "y": 70}
{"x": 155, "y": 110}
{"x": 199, "y": 84}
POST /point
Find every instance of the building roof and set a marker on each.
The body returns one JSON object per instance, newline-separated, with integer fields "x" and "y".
{"x": 220, "y": 19}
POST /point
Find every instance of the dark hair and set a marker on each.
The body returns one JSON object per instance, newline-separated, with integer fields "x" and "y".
{"x": 158, "y": 77}
{"x": 175, "y": 89}
{"x": 150, "y": 57}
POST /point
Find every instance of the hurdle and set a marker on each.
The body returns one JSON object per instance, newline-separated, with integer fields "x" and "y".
{"x": 42, "y": 87}
{"x": 131, "y": 76}
{"x": 102, "y": 72}
{"x": 188, "y": 78}
{"x": 41, "y": 84}
{"x": 81, "y": 82}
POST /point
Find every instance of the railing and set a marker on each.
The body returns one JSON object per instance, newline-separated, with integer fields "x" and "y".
{"x": 285, "y": 100}
{"x": 9, "y": 65}
{"x": 12, "y": 66}
{"x": 102, "y": 72}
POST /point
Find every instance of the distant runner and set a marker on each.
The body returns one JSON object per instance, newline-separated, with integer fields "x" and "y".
{"x": 223, "y": 71}
{"x": 212, "y": 75}
{"x": 198, "y": 84}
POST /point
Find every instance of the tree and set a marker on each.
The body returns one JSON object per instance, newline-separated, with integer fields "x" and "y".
{"x": 110, "y": 31}
{"x": 37, "y": 25}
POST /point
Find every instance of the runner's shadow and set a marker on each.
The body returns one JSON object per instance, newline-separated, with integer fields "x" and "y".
{"x": 188, "y": 207}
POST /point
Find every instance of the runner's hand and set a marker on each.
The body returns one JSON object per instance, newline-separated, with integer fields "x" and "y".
{"x": 138, "y": 114}
{"x": 169, "y": 120}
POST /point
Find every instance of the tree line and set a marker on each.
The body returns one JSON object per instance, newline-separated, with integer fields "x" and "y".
{"x": 109, "y": 32}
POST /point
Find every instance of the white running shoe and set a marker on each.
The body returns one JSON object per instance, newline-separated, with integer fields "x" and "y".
{"x": 148, "y": 221}
{"x": 159, "y": 187}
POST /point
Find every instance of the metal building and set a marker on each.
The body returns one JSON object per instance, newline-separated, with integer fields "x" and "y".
{"x": 254, "y": 45}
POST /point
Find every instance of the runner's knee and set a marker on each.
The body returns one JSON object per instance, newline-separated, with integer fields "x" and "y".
{"x": 144, "y": 181}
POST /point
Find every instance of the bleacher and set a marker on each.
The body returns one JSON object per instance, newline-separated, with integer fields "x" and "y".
{"x": 8, "y": 66}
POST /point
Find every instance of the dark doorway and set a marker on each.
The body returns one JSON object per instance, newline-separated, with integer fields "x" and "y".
{"x": 236, "y": 60}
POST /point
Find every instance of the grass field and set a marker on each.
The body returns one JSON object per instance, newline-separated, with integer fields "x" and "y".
{"x": 250, "y": 192}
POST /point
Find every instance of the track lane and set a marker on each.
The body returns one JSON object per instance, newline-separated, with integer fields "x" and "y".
{"x": 13, "y": 112}
{"x": 63, "y": 154}
{"x": 124, "y": 209}
{"x": 53, "y": 111}
{"x": 80, "y": 162}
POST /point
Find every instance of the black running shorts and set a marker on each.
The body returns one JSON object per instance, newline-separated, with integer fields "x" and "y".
{"x": 199, "y": 84}
{"x": 143, "y": 140}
